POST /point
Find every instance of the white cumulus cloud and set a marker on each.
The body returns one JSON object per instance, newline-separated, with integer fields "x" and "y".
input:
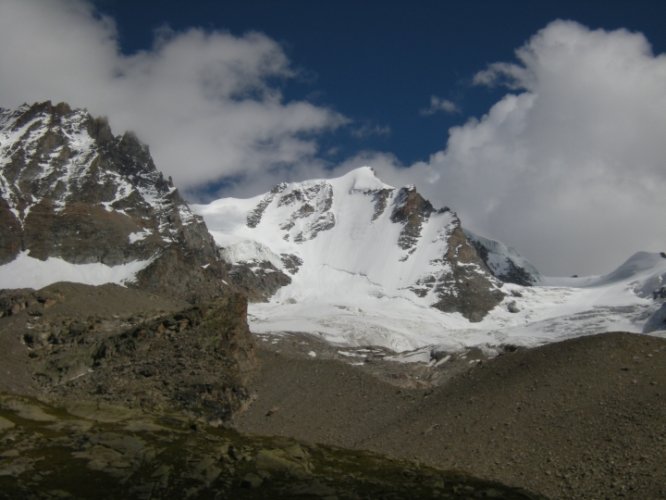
{"x": 206, "y": 102}
{"x": 439, "y": 105}
{"x": 369, "y": 130}
{"x": 570, "y": 166}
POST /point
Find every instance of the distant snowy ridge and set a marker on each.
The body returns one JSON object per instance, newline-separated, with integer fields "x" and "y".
{"x": 505, "y": 262}
{"x": 635, "y": 266}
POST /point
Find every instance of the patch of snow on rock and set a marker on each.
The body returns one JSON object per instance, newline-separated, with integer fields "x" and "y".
{"x": 28, "y": 272}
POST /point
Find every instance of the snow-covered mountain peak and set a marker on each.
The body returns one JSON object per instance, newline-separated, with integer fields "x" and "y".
{"x": 342, "y": 239}
{"x": 361, "y": 179}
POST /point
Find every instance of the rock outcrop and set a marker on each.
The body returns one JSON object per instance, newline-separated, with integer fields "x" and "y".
{"x": 410, "y": 210}
{"x": 132, "y": 349}
{"x": 467, "y": 289}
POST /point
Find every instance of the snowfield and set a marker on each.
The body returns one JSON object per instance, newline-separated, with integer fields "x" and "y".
{"x": 546, "y": 314}
{"x": 28, "y": 272}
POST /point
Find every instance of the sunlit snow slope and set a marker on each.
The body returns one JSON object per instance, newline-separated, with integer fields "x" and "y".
{"x": 362, "y": 276}
{"x": 346, "y": 242}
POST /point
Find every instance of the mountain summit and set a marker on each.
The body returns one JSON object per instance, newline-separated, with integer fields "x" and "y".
{"x": 313, "y": 236}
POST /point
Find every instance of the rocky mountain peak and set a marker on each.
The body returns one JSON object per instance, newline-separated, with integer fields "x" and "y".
{"x": 72, "y": 190}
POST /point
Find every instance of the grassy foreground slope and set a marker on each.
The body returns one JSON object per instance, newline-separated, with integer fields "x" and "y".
{"x": 93, "y": 451}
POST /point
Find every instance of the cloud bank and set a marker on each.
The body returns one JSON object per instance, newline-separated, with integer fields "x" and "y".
{"x": 569, "y": 166}
{"x": 207, "y": 103}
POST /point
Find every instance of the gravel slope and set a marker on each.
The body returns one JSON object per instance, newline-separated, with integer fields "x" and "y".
{"x": 585, "y": 418}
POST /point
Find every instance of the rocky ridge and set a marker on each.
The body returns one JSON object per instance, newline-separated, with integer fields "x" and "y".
{"x": 70, "y": 189}
{"x": 134, "y": 350}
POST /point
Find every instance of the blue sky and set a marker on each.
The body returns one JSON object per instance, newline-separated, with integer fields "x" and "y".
{"x": 379, "y": 62}
{"x": 541, "y": 123}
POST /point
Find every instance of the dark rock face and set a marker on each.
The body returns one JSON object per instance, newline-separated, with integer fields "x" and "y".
{"x": 516, "y": 274}
{"x": 71, "y": 189}
{"x": 197, "y": 360}
{"x": 10, "y": 237}
{"x": 258, "y": 280}
{"x": 254, "y": 217}
{"x": 465, "y": 284}
{"x": 380, "y": 198}
{"x": 314, "y": 210}
{"x": 291, "y": 262}
{"x": 512, "y": 273}
{"x": 411, "y": 209}
{"x": 179, "y": 271}
{"x": 468, "y": 289}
